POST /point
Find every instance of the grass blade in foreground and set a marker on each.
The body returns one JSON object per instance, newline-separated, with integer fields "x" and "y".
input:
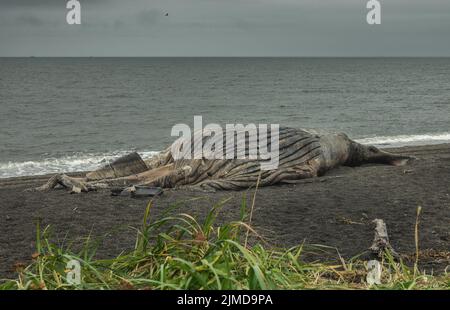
{"x": 178, "y": 252}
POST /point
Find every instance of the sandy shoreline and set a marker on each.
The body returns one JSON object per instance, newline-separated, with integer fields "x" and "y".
{"x": 337, "y": 212}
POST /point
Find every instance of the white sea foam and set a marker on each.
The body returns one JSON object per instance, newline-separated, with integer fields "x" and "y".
{"x": 70, "y": 163}
{"x": 404, "y": 140}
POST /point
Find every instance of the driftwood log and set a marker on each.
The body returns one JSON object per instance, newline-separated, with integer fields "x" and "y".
{"x": 381, "y": 243}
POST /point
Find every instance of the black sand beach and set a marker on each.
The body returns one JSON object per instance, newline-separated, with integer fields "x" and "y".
{"x": 336, "y": 212}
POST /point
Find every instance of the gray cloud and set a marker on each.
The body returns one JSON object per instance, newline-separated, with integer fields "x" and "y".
{"x": 149, "y": 17}
{"x": 225, "y": 28}
{"x": 30, "y": 20}
{"x": 43, "y": 3}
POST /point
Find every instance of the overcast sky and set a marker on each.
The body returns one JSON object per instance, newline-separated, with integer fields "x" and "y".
{"x": 224, "y": 28}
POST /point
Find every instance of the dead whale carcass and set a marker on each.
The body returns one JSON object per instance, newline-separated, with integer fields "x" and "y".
{"x": 302, "y": 154}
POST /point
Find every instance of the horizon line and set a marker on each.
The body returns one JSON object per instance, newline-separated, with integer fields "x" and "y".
{"x": 32, "y": 56}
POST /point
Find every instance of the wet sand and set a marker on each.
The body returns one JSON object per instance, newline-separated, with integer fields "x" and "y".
{"x": 335, "y": 211}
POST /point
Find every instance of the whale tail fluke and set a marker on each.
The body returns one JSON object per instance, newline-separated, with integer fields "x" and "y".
{"x": 363, "y": 154}
{"x": 388, "y": 158}
{"x": 401, "y": 161}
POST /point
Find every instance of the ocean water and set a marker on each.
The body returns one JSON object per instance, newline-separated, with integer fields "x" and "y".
{"x": 71, "y": 114}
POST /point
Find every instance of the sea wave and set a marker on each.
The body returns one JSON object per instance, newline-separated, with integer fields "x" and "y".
{"x": 405, "y": 140}
{"x": 69, "y": 163}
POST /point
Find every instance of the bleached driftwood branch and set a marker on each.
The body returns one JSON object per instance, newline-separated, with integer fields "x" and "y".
{"x": 381, "y": 242}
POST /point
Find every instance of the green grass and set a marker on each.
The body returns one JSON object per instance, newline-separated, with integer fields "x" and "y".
{"x": 179, "y": 252}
